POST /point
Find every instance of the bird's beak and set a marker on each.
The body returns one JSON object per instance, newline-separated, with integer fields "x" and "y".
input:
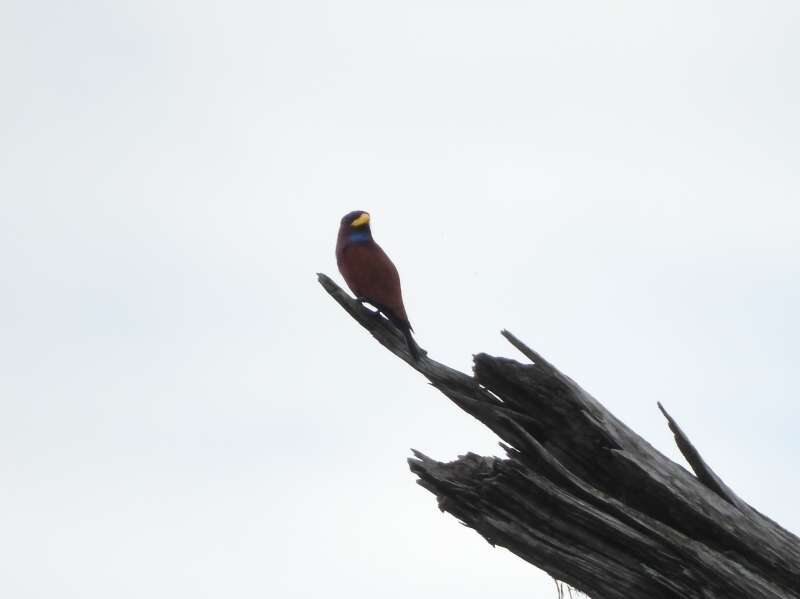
{"x": 361, "y": 220}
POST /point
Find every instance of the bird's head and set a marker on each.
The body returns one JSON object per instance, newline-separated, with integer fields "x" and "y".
{"x": 354, "y": 226}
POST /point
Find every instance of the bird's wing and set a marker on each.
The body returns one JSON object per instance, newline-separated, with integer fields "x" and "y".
{"x": 370, "y": 274}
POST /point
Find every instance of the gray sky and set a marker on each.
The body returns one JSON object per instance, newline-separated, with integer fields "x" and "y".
{"x": 186, "y": 414}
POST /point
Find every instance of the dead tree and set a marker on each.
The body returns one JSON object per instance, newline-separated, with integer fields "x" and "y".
{"x": 583, "y": 497}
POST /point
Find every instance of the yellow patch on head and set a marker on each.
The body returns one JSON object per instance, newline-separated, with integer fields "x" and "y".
{"x": 361, "y": 220}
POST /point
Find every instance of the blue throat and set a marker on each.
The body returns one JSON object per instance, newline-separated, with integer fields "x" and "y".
{"x": 357, "y": 236}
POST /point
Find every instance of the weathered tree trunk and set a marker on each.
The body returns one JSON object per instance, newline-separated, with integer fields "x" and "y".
{"x": 586, "y": 499}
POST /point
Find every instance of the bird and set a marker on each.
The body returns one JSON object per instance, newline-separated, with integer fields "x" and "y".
{"x": 370, "y": 274}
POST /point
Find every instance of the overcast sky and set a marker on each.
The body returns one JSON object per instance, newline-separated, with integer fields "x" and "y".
{"x": 185, "y": 413}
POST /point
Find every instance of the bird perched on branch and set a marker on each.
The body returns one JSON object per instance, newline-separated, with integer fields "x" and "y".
{"x": 369, "y": 273}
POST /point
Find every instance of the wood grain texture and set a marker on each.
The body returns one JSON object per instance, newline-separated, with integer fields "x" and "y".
{"x": 584, "y": 497}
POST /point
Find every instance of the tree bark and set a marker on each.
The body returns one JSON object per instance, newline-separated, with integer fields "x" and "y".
{"x": 583, "y": 497}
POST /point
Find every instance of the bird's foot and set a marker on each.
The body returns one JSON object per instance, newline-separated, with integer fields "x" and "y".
{"x": 369, "y": 305}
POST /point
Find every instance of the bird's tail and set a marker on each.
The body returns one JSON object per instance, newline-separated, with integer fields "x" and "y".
{"x": 404, "y": 326}
{"x": 413, "y": 348}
